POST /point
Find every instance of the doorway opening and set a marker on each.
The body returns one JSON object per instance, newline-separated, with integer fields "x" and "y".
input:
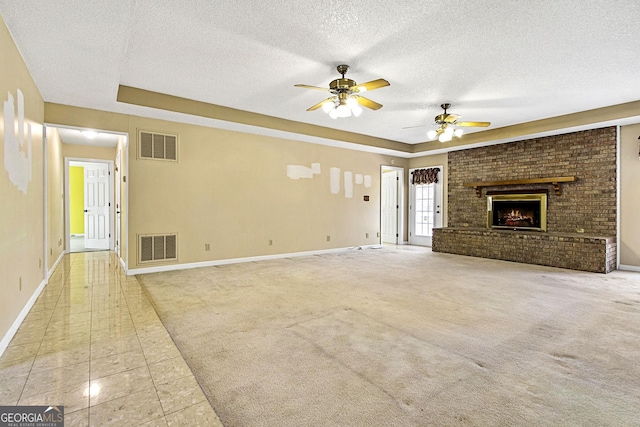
{"x": 89, "y": 205}
{"x": 392, "y": 205}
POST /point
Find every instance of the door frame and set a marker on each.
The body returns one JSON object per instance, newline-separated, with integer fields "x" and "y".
{"x": 439, "y": 199}
{"x": 117, "y": 203}
{"x": 400, "y": 200}
{"x": 67, "y": 223}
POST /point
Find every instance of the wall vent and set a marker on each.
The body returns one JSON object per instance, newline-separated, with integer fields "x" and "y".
{"x": 157, "y": 146}
{"x": 157, "y": 247}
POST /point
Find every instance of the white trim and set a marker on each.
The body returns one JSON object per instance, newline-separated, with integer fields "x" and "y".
{"x": 399, "y": 199}
{"x": 439, "y": 199}
{"x": 55, "y": 265}
{"x": 123, "y": 264}
{"x": 23, "y": 314}
{"x": 172, "y": 267}
{"x": 45, "y": 203}
{"x": 629, "y": 268}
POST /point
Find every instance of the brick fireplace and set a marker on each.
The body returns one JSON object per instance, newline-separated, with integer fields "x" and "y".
{"x": 580, "y": 203}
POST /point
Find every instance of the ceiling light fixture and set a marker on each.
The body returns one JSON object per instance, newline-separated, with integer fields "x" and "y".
{"x": 346, "y": 100}
{"x": 89, "y": 134}
{"x": 342, "y": 105}
{"x": 445, "y": 133}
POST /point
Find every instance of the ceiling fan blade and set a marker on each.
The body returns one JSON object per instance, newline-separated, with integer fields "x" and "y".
{"x": 366, "y": 102}
{"x": 411, "y": 127}
{"x": 373, "y": 84}
{"x": 451, "y": 118}
{"x": 319, "y": 104}
{"x": 312, "y": 87}
{"x": 473, "y": 124}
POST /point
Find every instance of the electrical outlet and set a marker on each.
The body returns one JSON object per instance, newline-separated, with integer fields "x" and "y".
{"x": 270, "y": 242}
{"x": 50, "y": 251}
{"x": 60, "y": 242}
{"x": 328, "y": 238}
{"x": 378, "y": 234}
{"x": 39, "y": 262}
{"x": 20, "y": 283}
{"x": 366, "y": 235}
{"x": 207, "y": 246}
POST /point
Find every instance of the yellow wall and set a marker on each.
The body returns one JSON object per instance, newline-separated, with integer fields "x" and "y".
{"x": 22, "y": 214}
{"x": 629, "y": 197}
{"x": 76, "y": 199}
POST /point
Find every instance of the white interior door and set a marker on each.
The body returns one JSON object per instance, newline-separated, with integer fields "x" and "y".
{"x": 425, "y": 211}
{"x": 390, "y": 207}
{"x": 96, "y": 206}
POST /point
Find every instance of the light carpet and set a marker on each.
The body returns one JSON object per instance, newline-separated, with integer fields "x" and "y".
{"x": 401, "y": 336}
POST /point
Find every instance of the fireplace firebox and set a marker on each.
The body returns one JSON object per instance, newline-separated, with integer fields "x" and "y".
{"x": 517, "y": 211}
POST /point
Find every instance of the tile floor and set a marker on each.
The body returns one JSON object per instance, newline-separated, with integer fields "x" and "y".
{"x": 93, "y": 343}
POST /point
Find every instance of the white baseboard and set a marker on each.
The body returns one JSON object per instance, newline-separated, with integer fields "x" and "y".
{"x": 55, "y": 265}
{"x": 124, "y": 266}
{"x": 172, "y": 267}
{"x": 629, "y": 268}
{"x": 16, "y": 324}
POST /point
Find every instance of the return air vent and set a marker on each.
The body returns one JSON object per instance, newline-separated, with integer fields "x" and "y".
{"x": 158, "y": 247}
{"x": 157, "y": 146}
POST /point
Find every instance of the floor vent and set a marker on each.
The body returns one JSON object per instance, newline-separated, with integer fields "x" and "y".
{"x": 157, "y": 146}
{"x": 158, "y": 247}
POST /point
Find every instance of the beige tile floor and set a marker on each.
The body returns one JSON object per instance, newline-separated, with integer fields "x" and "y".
{"x": 93, "y": 343}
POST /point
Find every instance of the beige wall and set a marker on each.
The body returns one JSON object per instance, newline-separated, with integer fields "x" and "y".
{"x": 629, "y": 195}
{"x": 231, "y": 190}
{"x": 55, "y": 197}
{"x": 89, "y": 152}
{"x": 431, "y": 161}
{"x": 22, "y": 214}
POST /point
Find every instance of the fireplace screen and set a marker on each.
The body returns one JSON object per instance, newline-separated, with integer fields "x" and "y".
{"x": 517, "y": 211}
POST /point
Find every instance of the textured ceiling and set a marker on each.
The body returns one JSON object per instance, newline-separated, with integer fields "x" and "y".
{"x": 505, "y": 62}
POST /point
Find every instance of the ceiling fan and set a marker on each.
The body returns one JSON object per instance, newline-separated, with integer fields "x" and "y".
{"x": 446, "y": 133}
{"x": 447, "y": 121}
{"x": 345, "y": 100}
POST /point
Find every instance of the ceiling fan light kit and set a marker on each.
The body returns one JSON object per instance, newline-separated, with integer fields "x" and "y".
{"x": 446, "y": 131}
{"x": 345, "y": 100}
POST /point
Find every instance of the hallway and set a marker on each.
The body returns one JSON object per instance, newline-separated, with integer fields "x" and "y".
{"x": 93, "y": 343}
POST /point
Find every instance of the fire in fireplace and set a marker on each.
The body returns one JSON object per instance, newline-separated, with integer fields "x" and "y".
{"x": 517, "y": 211}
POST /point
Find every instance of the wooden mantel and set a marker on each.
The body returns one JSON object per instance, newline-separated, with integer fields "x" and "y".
{"x": 555, "y": 181}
